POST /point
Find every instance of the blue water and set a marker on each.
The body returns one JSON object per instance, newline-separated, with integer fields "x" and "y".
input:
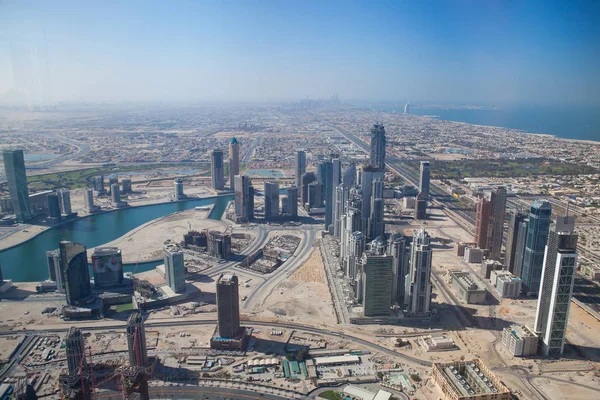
{"x": 27, "y": 261}
{"x": 569, "y": 122}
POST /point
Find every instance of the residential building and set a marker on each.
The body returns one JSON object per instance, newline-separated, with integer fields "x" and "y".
{"x": 271, "y": 200}
{"x": 244, "y": 199}
{"x": 378, "y": 143}
{"x": 482, "y": 221}
{"x": 535, "y": 244}
{"x": 520, "y": 340}
{"x": 292, "y": 207}
{"x": 53, "y": 206}
{"x": 421, "y": 206}
{"x": 399, "y": 251}
{"x": 14, "y": 168}
{"x": 174, "y": 267}
{"x": 75, "y": 272}
{"x": 424, "y": 177}
{"x": 520, "y": 248}
{"x": 217, "y": 170}
{"x": 228, "y": 306}
{"x": 514, "y": 220}
{"x": 496, "y": 224}
{"x": 234, "y": 161}
{"x": 325, "y": 178}
{"x": 64, "y": 198}
{"x": 418, "y": 282}
{"x": 377, "y": 284}
{"x": 300, "y": 167}
{"x": 178, "y": 193}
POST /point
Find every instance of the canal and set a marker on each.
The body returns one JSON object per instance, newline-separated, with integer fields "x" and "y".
{"x": 27, "y": 261}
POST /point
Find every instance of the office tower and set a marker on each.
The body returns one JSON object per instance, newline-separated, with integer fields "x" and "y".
{"x": 75, "y": 350}
{"x": 306, "y": 180}
{"x": 514, "y": 220}
{"x": 556, "y": 287}
{"x": 369, "y": 174}
{"x": 216, "y": 170}
{"x": 136, "y": 340}
{"x": 234, "y": 161}
{"x": 421, "y": 206}
{"x": 99, "y": 184}
{"x": 349, "y": 176}
{"x": 356, "y": 248}
{"x": 339, "y": 208}
{"x": 520, "y": 248}
{"x": 535, "y": 244}
{"x": 228, "y": 306}
{"x": 482, "y": 221}
{"x": 219, "y": 245}
{"x": 378, "y": 143}
{"x": 107, "y": 266}
{"x": 351, "y": 223}
{"x": 14, "y": 168}
{"x": 377, "y": 286}
{"x": 336, "y": 171}
{"x": 300, "y": 166}
{"x": 315, "y": 195}
{"x": 88, "y": 199}
{"x": 115, "y": 193}
{"x": 64, "y": 197}
{"x": 418, "y": 283}
{"x": 292, "y": 208}
{"x": 53, "y": 206}
{"x": 54, "y": 269}
{"x": 325, "y": 178}
{"x": 496, "y": 224}
{"x": 178, "y": 189}
{"x": 126, "y": 185}
{"x": 398, "y": 250}
{"x": 376, "y": 224}
{"x": 271, "y": 200}
{"x": 424, "y": 178}
{"x": 74, "y": 267}
{"x": 244, "y": 199}
{"x": 174, "y": 267}
{"x": 111, "y": 181}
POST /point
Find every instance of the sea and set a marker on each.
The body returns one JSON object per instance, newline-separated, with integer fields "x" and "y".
{"x": 569, "y": 122}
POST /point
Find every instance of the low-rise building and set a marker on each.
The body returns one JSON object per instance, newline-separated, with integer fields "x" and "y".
{"x": 473, "y": 255}
{"x": 467, "y": 289}
{"x": 487, "y": 266}
{"x": 520, "y": 340}
{"x": 468, "y": 380}
{"x": 509, "y": 286}
{"x": 436, "y": 343}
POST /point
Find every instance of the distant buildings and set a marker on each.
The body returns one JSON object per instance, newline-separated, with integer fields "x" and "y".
{"x": 178, "y": 193}
{"x": 378, "y": 143}
{"x": 556, "y": 289}
{"x": 107, "y": 265}
{"x": 55, "y": 272}
{"x": 399, "y": 251}
{"x": 115, "y": 194}
{"x": 234, "y": 161}
{"x": 292, "y": 205}
{"x": 174, "y": 267}
{"x": 136, "y": 340}
{"x": 421, "y": 206}
{"x": 537, "y": 234}
{"x": 74, "y": 267}
{"x": 325, "y": 178}
{"x": 424, "y": 177}
{"x": 64, "y": 197}
{"x": 300, "y": 166}
{"x": 244, "y": 199}
{"x": 306, "y": 180}
{"x": 99, "y": 184}
{"x": 126, "y": 183}
{"x": 88, "y": 200}
{"x": 418, "y": 282}
{"x": 217, "y": 170}
{"x": 340, "y": 203}
{"x": 271, "y": 191}
{"x": 14, "y": 167}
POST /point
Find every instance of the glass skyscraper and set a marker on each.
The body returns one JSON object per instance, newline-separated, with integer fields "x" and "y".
{"x": 14, "y": 167}
{"x": 535, "y": 244}
{"x": 378, "y": 143}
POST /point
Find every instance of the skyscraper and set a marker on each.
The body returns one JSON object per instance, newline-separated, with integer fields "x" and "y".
{"x": 216, "y": 170}
{"x": 418, "y": 282}
{"x": 271, "y": 200}
{"x": 174, "y": 267}
{"x": 556, "y": 288}
{"x": 349, "y": 176}
{"x": 398, "y": 250}
{"x": 336, "y": 172}
{"x": 514, "y": 220}
{"x": 234, "y": 161}
{"x": 88, "y": 199}
{"x": 378, "y": 143}
{"x": 325, "y": 178}
{"x": 115, "y": 193}
{"x": 244, "y": 199}
{"x": 535, "y": 244}
{"x": 376, "y": 224}
{"x": 178, "y": 189}
{"x": 54, "y": 269}
{"x": 75, "y": 350}
{"x": 136, "y": 340}
{"x": 351, "y": 223}
{"x": 520, "y": 247}
{"x": 300, "y": 166}
{"x": 126, "y": 183}
{"x": 74, "y": 267}
{"x": 369, "y": 174}
{"x": 482, "y": 221}
{"x": 228, "y": 306}
{"x": 496, "y": 225}
{"x": 306, "y": 179}
{"x": 292, "y": 195}
{"x": 424, "y": 178}
{"x": 53, "y": 205}
{"x": 64, "y": 197}
{"x": 339, "y": 208}
{"x": 14, "y": 168}
{"x": 377, "y": 284}
{"x": 421, "y": 206}
{"x": 99, "y": 184}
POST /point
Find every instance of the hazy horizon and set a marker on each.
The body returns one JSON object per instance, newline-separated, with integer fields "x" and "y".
{"x": 447, "y": 52}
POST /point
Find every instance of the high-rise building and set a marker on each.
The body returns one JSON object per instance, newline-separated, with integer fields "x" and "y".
{"x": 336, "y": 172}
{"x": 244, "y": 199}
{"x": 107, "y": 266}
{"x": 228, "y": 306}
{"x": 75, "y": 350}
{"x": 300, "y": 166}
{"x": 398, "y": 250}
{"x": 356, "y": 247}
{"x": 126, "y": 183}
{"x": 351, "y": 223}
{"x": 136, "y": 340}
{"x": 315, "y": 195}
{"x": 368, "y": 175}
{"x": 482, "y": 221}
{"x": 88, "y": 199}
{"x": 496, "y": 224}
{"x": 556, "y": 288}
{"x": 178, "y": 189}
{"x": 421, "y": 206}
{"x": 55, "y": 272}
{"x": 174, "y": 267}
{"x": 292, "y": 195}
{"x": 307, "y": 179}
{"x": 325, "y": 178}
{"x": 520, "y": 248}
{"x": 424, "y": 178}
{"x": 112, "y": 179}
{"x": 535, "y": 244}
{"x": 64, "y": 198}
{"x": 14, "y": 168}
{"x": 219, "y": 245}
{"x": 115, "y": 194}
{"x": 378, "y": 143}
{"x": 349, "y": 176}
{"x": 271, "y": 200}
{"x": 74, "y": 267}
{"x": 99, "y": 184}
{"x": 53, "y": 205}
{"x": 377, "y": 284}
{"x": 217, "y": 170}
{"x": 234, "y": 161}
{"x": 418, "y": 282}
{"x": 376, "y": 224}
{"x": 514, "y": 220}
{"x": 339, "y": 208}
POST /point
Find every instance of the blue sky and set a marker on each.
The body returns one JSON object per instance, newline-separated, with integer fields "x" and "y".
{"x": 448, "y": 51}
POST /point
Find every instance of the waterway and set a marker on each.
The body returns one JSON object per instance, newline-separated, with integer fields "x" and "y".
{"x": 27, "y": 261}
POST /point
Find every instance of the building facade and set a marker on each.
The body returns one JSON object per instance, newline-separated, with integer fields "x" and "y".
{"x": 378, "y": 144}
{"x": 74, "y": 267}
{"x": 174, "y": 267}
{"x": 16, "y": 177}
{"x": 535, "y": 244}
{"x": 424, "y": 177}
{"x": 271, "y": 191}
{"x": 234, "y": 161}
{"x": 217, "y": 170}
{"x": 244, "y": 199}
{"x": 300, "y": 166}
{"x": 418, "y": 283}
{"x": 377, "y": 284}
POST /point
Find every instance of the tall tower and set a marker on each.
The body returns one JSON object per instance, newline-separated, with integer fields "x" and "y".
{"x": 99, "y": 184}
{"x": 514, "y": 220}
{"x": 174, "y": 267}
{"x": 64, "y": 197}
{"x": 325, "y": 178}
{"x": 482, "y": 221}
{"x": 377, "y": 284}
{"x": 300, "y": 166}
{"x": 228, "y": 306}
{"x": 339, "y": 208}
{"x": 349, "y": 176}
{"x": 378, "y": 143}
{"x": 234, "y": 161}
{"x": 75, "y": 349}
{"x": 178, "y": 189}
{"x": 115, "y": 193}
{"x": 496, "y": 226}
{"x": 136, "y": 340}
{"x": 271, "y": 200}
{"x": 556, "y": 288}
{"x": 520, "y": 247}
{"x": 244, "y": 199}
{"x": 306, "y": 180}
{"x": 292, "y": 195}
{"x": 418, "y": 282}
{"x": 424, "y": 177}
{"x": 216, "y": 170}
{"x": 398, "y": 250}
{"x": 88, "y": 199}
{"x": 535, "y": 244}
{"x": 336, "y": 171}
{"x": 53, "y": 205}
{"x": 14, "y": 168}
{"x": 369, "y": 174}
{"x": 76, "y": 275}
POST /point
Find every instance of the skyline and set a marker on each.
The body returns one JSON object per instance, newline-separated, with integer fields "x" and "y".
{"x": 269, "y": 51}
